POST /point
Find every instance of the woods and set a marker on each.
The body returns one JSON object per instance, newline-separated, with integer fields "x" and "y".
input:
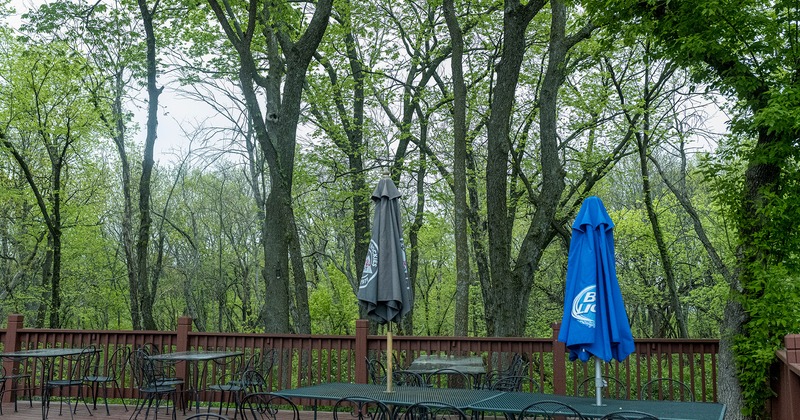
{"x": 495, "y": 119}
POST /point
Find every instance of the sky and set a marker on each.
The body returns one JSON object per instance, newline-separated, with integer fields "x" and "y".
{"x": 176, "y": 114}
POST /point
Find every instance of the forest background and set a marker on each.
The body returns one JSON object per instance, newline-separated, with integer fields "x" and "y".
{"x": 495, "y": 119}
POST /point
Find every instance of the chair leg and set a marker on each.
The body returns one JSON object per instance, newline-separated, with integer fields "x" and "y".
{"x": 121, "y": 396}
{"x": 105, "y": 399}
{"x": 2, "y": 391}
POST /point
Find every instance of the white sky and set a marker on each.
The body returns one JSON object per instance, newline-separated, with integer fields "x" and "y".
{"x": 174, "y": 112}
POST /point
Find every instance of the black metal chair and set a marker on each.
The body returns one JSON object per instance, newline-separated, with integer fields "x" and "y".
{"x": 667, "y": 389}
{"x": 448, "y": 378}
{"x": 74, "y": 368}
{"x": 520, "y": 383}
{"x": 151, "y": 388}
{"x": 549, "y": 410}
{"x": 516, "y": 367}
{"x": 229, "y": 381}
{"x": 254, "y": 382}
{"x": 376, "y": 371}
{"x": 108, "y": 375}
{"x": 267, "y": 406}
{"x": 629, "y": 415}
{"x": 406, "y": 378}
{"x": 430, "y": 411}
{"x": 254, "y": 372}
{"x": 15, "y": 378}
{"x": 360, "y": 408}
{"x": 612, "y": 388}
{"x": 206, "y": 416}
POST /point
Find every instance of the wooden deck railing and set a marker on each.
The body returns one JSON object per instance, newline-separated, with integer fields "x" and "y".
{"x": 308, "y": 359}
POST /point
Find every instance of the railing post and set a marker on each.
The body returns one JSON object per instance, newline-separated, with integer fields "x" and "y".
{"x": 182, "y": 339}
{"x": 182, "y": 344}
{"x": 362, "y": 330}
{"x": 786, "y": 403}
{"x": 559, "y": 362}
{"x": 16, "y": 322}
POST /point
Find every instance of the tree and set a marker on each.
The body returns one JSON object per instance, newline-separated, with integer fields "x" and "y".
{"x": 749, "y": 51}
{"x": 275, "y": 128}
{"x": 44, "y": 103}
{"x": 338, "y": 109}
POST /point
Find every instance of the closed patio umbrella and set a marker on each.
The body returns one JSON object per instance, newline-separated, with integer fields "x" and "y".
{"x": 385, "y": 290}
{"x": 595, "y": 322}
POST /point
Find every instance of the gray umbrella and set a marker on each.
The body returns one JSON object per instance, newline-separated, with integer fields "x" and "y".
{"x": 385, "y": 290}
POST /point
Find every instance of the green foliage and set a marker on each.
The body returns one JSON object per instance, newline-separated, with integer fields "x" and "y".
{"x": 773, "y": 315}
{"x": 333, "y": 306}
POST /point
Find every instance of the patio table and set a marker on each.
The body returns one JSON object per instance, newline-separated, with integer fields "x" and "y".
{"x": 426, "y": 364}
{"x": 194, "y": 357}
{"x": 514, "y": 402}
{"x": 48, "y": 356}
{"x": 483, "y": 400}
{"x": 401, "y": 395}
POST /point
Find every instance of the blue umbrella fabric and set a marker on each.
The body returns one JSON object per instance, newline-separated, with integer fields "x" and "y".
{"x": 595, "y": 322}
{"x": 384, "y": 288}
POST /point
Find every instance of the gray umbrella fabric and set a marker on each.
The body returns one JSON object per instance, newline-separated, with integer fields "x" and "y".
{"x": 385, "y": 289}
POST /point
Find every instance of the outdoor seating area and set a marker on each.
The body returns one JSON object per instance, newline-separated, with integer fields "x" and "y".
{"x": 183, "y": 373}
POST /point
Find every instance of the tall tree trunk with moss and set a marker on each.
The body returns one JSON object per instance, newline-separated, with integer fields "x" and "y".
{"x": 275, "y": 128}
{"x": 146, "y": 282}
{"x": 461, "y": 321}
{"x": 643, "y": 139}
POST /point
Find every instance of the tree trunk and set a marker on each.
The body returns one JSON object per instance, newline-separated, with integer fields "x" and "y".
{"x": 516, "y": 18}
{"x": 127, "y": 197}
{"x": 276, "y": 131}
{"x": 461, "y": 319}
{"x": 146, "y": 293}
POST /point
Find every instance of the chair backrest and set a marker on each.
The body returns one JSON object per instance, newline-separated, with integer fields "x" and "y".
{"x": 431, "y": 411}
{"x": 548, "y": 410}
{"x": 76, "y": 366}
{"x": 145, "y": 371}
{"x": 360, "y": 408}
{"x": 449, "y": 378}
{"x": 267, "y": 406}
{"x": 517, "y": 366}
{"x": 207, "y": 416}
{"x": 141, "y": 368}
{"x": 406, "y": 378}
{"x": 520, "y": 383}
{"x": 629, "y": 415}
{"x": 254, "y": 382}
{"x": 666, "y": 389}
{"x": 116, "y": 364}
{"x": 267, "y": 361}
{"x": 613, "y": 388}
{"x": 376, "y": 371}
{"x": 150, "y": 349}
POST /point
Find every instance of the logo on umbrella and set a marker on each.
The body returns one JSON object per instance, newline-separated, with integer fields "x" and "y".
{"x": 370, "y": 265}
{"x": 584, "y": 306}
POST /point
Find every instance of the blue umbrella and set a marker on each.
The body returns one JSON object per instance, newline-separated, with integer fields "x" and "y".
{"x": 595, "y": 322}
{"x": 385, "y": 290}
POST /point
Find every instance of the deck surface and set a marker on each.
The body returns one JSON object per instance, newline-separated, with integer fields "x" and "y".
{"x": 117, "y": 413}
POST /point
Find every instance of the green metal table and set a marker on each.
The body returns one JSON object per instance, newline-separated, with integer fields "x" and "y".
{"x": 514, "y": 402}
{"x": 48, "y": 357}
{"x": 194, "y": 358}
{"x": 400, "y": 396}
{"x": 481, "y": 400}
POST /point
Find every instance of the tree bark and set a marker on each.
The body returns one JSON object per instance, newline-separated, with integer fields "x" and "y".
{"x": 276, "y": 131}
{"x": 461, "y": 315}
{"x": 146, "y": 292}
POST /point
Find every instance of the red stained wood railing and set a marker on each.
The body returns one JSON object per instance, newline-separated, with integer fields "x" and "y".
{"x": 309, "y": 359}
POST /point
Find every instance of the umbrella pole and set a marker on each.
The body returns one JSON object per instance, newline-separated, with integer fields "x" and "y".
{"x": 389, "y": 358}
{"x": 598, "y": 382}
